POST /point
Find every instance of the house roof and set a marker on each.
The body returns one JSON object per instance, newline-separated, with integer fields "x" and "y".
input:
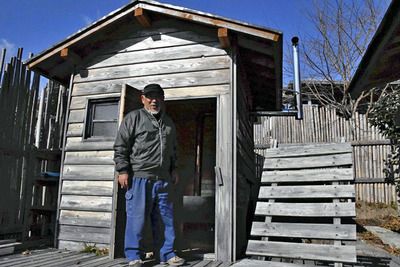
{"x": 380, "y": 63}
{"x": 260, "y": 48}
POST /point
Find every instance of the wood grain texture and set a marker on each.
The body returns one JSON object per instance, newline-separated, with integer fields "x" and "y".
{"x": 85, "y": 218}
{"x": 303, "y": 251}
{"x": 160, "y": 54}
{"x": 304, "y": 230}
{"x": 86, "y": 203}
{"x": 89, "y": 158}
{"x": 78, "y": 245}
{"x": 88, "y": 172}
{"x": 75, "y": 130}
{"x": 88, "y": 188}
{"x": 345, "y": 209}
{"x": 307, "y": 191}
{"x": 84, "y": 234}
{"x": 197, "y": 78}
{"x": 261, "y": 263}
{"x": 296, "y": 150}
{"x": 163, "y": 37}
{"x": 310, "y": 175}
{"x": 155, "y": 68}
{"x": 79, "y": 102}
{"x": 325, "y": 161}
{"x": 79, "y": 144}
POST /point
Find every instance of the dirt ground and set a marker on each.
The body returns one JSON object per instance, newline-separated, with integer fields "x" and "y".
{"x": 378, "y": 215}
{"x": 371, "y": 214}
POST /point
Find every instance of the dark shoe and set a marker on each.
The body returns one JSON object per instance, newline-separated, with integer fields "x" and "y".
{"x": 136, "y": 263}
{"x": 174, "y": 261}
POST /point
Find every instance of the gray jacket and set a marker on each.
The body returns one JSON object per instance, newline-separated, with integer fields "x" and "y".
{"x": 145, "y": 144}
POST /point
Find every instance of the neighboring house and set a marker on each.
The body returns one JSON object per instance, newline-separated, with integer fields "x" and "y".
{"x": 323, "y": 87}
{"x": 380, "y": 63}
{"x": 214, "y": 70}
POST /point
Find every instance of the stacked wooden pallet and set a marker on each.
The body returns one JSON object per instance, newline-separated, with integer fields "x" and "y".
{"x": 306, "y": 195}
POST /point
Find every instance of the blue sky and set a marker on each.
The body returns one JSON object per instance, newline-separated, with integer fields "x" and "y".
{"x": 38, "y": 24}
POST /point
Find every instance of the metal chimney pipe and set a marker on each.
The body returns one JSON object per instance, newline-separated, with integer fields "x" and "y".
{"x": 296, "y": 75}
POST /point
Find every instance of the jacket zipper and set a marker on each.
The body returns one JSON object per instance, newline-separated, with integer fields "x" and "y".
{"x": 161, "y": 144}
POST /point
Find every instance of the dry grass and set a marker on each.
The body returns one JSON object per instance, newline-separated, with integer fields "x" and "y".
{"x": 370, "y": 238}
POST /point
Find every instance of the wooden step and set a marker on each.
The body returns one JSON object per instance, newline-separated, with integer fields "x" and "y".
{"x": 302, "y": 251}
{"x": 8, "y": 246}
{"x": 305, "y": 230}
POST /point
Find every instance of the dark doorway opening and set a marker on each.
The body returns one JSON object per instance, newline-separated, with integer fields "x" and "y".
{"x": 195, "y": 121}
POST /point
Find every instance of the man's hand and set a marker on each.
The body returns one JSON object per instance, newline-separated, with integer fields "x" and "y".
{"x": 123, "y": 180}
{"x": 175, "y": 177}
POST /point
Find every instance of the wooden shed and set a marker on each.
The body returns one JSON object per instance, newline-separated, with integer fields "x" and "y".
{"x": 215, "y": 71}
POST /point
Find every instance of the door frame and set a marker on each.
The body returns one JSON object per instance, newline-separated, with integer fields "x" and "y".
{"x": 224, "y": 186}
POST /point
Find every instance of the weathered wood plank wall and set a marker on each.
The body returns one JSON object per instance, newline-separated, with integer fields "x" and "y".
{"x": 28, "y": 201}
{"x": 186, "y": 61}
{"x": 247, "y": 182}
{"x": 322, "y": 124}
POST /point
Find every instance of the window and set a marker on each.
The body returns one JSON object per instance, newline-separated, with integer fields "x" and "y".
{"x": 102, "y": 118}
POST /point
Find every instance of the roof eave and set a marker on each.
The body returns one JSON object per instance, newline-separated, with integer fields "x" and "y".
{"x": 176, "y": 11}
{"x": 375, "y": 53}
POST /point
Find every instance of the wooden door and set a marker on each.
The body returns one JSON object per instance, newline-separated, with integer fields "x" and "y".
{"x": 130, "y": 100}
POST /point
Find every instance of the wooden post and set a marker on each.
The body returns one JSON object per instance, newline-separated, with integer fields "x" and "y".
{"x": 39, "y": 120}
{"x": 3, "y": 55}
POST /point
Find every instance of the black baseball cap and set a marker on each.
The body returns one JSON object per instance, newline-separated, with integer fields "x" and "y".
{"x": 153, "y": 88}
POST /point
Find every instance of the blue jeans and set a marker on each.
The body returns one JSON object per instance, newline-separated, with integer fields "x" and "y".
{"x": 146, "y": 198}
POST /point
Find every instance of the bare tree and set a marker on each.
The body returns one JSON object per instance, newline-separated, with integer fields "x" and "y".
{"x": 331, "y": 53}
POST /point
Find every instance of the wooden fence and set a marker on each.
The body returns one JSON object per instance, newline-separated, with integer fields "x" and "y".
{"x": 31, "y": 122}
{"x": 323, "y": 124}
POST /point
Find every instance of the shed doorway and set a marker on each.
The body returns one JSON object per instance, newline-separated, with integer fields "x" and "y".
{"x": 195, "y": 121}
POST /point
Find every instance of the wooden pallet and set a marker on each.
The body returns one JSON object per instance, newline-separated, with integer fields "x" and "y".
{"x": 305, "y": 200}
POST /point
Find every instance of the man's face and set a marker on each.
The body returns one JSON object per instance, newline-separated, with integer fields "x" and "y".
{"x": 153, "y": 102}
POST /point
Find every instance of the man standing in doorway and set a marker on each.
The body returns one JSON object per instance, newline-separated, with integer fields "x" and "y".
{"x": 145, "y": 158}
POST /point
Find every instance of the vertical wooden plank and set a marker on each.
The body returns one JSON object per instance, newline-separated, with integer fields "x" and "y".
{"x": 329, "y": 126}
{"x": 323, "y": 123}
{"x": 302, "y": 130}
{"x": 224, "y": 224}
{"x": 64, "y": 141}
{"x": 303, "y": 127}
{"x": 308, "y": 124}
{"x": 337, "y": 221}
{"x": 313, "y": 125}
